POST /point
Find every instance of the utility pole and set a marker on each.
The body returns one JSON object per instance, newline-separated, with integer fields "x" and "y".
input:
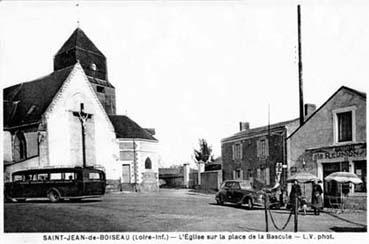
{"x": 301, "y": 93}
{"x": 266, "y": 211}
{"x": 134, "y": 164}
{"x": 296, "y": 209}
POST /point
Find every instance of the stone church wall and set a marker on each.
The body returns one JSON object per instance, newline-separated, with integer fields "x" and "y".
{"x": 64, "y": 129}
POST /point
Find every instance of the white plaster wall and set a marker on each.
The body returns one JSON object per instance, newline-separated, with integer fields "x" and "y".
{"x": 27, "y": 164}
{"x": 147, "y": 149}
{"x": 76, "y": 90}
{"x": 7, "y": 146}
{"x": 144, "y": 149}
{"x": 319, "y": 130}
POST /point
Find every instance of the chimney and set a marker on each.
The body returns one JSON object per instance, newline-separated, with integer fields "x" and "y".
{"x": 309, "y": 109}
{"x": 244, "y": 126}
{"x": 151, "y": 131}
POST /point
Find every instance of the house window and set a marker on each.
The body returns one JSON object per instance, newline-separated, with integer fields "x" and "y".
{"x": 344, "y": 121}
{"x": 237, "y": 151}
{"x": 249, "y": 174}
{"x": 148, "y": 164}
{"x": 20, "y": 147}
{"x": 237, "y": 174}
{"x": 262, "y": 148}
{"x": 344, "y": 124}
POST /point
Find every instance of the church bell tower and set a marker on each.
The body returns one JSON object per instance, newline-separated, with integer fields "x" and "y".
{"x": 80, "y": 48}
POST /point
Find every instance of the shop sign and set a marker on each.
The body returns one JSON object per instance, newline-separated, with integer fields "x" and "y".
{"x": 351, "y": 151}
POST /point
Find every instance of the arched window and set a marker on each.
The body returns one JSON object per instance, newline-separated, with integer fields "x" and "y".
{"x": 20, "y": 147}
{"x": 148, "y": 163}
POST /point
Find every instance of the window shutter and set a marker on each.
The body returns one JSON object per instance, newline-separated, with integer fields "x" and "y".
{"x": 267, "y": 176}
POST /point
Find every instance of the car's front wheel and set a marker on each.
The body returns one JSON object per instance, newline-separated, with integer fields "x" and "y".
{"x": 220, "y": 201}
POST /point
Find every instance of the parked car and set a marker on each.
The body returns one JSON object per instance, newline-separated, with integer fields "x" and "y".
{"x": 243, "y": 192}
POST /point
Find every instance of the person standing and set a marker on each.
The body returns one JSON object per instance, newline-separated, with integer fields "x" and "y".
{"x": 295, "y": 193}
{"x": 316, "y": 198}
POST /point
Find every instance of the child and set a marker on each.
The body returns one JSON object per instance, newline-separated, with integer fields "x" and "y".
{"x": 303, "y": 202}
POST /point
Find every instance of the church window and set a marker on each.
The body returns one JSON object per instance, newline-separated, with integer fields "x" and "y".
{"x": 100, "y": 89}
{"x": 31, "y": 109}
{"x": 20, "y": 147}
{"x": 93, "y": 67}
{"x": 148, "y": 163}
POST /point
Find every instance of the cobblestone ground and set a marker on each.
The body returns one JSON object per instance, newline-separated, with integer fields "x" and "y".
{"x": 167, "y": 210}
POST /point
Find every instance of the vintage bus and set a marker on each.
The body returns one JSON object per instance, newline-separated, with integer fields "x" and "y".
{"x": 56, "y": 184}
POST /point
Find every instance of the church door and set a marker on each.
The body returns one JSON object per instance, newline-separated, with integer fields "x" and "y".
{"x": 126, "y": 173}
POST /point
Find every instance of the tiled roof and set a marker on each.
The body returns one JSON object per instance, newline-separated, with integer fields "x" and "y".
{"x": 79, "y": 39}
{"x": 24, "y": 103}
{"x": 100, "y": 81}
{"x": 255, "y": 131}
{"x": 127, "y": 128}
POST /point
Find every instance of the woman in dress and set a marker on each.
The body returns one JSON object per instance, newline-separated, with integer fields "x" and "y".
{"x": 316, "y": 198}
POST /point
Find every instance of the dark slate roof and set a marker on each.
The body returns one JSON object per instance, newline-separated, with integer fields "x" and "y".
{"x": 79, "y": 39}
{"x": 256, "y": 131}
{"x": 24, "y": 103}
{"x": 126, "y": 128}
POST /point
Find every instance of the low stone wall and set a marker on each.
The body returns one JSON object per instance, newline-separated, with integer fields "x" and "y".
{"x": 355, "y": 202}
{"x": 148, "y": 187}
{"x": 113, "y": 185}
{"x": 211, "y": 180}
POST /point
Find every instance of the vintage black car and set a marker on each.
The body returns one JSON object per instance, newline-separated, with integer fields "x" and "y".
{"x": 243, "y": 192}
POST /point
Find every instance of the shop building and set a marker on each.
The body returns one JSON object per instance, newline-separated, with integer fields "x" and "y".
{"x": 333, "y": 139}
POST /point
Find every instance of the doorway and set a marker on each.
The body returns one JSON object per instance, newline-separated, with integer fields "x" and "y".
{"x": 332, "y": 190}
{"x": 126, "y": 173}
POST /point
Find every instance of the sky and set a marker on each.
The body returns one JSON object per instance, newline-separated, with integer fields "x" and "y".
{"x": 195, "y": 69}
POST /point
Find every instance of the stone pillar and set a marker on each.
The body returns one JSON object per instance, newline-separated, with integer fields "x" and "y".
{"x": 201, "y": 169}
{"x": 186, "y": 175}
{"x": 43, "y": 145}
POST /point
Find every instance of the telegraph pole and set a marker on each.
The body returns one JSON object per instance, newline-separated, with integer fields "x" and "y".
{"x": 266, "y": 211}
{"x": 301, "y": 93}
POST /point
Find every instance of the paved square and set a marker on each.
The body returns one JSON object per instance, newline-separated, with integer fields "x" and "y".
{"x": 167, "y": 210}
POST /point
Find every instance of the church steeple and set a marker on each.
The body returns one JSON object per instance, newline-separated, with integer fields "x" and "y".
{"x": 80, "y": 47}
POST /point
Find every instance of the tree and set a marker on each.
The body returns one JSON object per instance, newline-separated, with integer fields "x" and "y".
{"x": 204, "y": 154}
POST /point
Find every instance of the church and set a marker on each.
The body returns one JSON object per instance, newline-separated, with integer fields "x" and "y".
{"x": 68, "y": 118}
